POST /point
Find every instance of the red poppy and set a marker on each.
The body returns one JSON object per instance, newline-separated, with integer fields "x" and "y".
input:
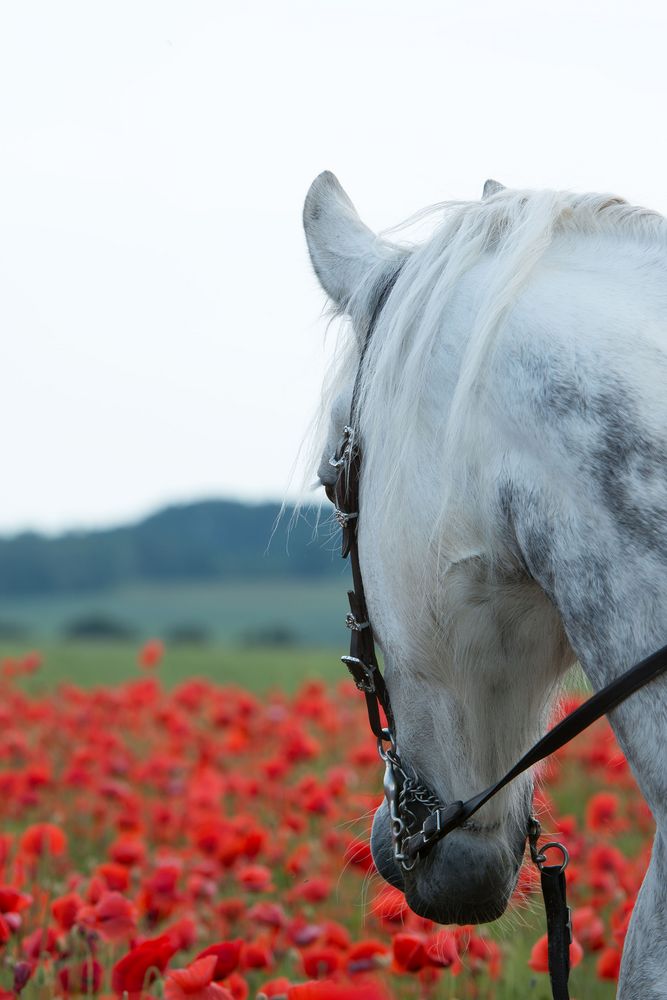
{"x": 319, "y": 961}
{"x": 237, "y": 986}
{"x": 43, "y": 941}
{"x": 255, "y": 878}
{"x": 588, "y": 928}
{"x": 409, "y": 952}
{"x": 268, "y": 914}
{"x": 442, "y": 950}
{"x": 602, "y": 812}
{"x": 609, "y": 964}
{"x": 13, "y": 901}
{"x": 195, "y": 982}
{"x": 65, "y": 909}
{"x": 151, "y": 653}
{"x": 313, "y": 890}
{"x": 227, "y": 955}
{"x": 275, "y": 989}
{"x": 539, "y": 956}
{"x": 115, "y": 875}
{"x": 43, "y": 838}
{"x": 128, "y": 850}
{"x": 358, "y": 853}
{"x": 390, "y": 905}
{"x": 31, "y": 662}
{"x": 136, "y": 970}
{"x": 366, "y": 956}
{"x": 257, "y": 955}
{"x": 113, "y": 916}
{"x": 183, "y": 934}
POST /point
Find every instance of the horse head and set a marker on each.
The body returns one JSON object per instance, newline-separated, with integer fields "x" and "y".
{"x": 452, "y": 607}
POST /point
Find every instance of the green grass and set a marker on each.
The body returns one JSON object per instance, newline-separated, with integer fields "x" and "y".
{"x": 312, "y": 611}
{"x": 99, "y": 663}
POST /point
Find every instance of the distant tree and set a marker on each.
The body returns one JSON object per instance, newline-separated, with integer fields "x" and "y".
{"x": 270, "y": 635}
{"x": 190, "y": 634}
{"x": 211, "y": 540}
{"x": 98, "y": 626}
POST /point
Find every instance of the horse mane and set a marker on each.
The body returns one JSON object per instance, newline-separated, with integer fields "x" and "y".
{"x": 516, "y": 228}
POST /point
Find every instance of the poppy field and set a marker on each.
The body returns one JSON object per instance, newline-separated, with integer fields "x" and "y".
{"x": 209, "y": 842}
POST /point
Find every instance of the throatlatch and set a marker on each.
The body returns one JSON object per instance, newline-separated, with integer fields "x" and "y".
{"x": 417, "y": 816}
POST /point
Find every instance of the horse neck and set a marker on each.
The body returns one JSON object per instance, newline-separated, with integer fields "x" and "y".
{"x": 613, "y": 604}
{"x": 610, "y": 586}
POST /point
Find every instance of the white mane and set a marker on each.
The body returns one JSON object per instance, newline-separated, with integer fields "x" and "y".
{"x": 516, "y": 227}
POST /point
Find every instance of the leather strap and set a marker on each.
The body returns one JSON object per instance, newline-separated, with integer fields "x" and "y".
{"x": 559, "y": 928}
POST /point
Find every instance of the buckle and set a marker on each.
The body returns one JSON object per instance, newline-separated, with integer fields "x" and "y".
{"x": 352, "y": 623}
{"x": 441, "y": 822}
{"x": 431, "y": 828}
{"x": 362, "y": 674}
{"x": 344, "y": 517}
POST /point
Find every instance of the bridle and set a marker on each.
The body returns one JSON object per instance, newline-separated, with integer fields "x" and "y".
{"x": 418, "y": 819}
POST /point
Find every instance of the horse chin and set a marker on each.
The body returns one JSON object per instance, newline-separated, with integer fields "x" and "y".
{"x": 468, "y": 878}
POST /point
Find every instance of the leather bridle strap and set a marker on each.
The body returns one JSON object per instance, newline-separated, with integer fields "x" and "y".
{"x": 362, "y": 660}
{"x": 439, "y": 824}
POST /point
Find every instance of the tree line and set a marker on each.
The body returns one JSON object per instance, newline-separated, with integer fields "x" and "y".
{"x": 209, "y": 540}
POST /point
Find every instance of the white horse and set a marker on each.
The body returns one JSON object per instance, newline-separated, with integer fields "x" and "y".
{"x": 512, "y": 415}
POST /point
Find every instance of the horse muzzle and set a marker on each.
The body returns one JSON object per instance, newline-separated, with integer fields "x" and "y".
{"x": 466, "y": 878}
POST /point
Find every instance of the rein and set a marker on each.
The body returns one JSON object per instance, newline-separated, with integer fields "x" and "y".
{"x": 418, "y": 818}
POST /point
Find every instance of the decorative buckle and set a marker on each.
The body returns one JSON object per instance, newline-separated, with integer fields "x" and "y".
{"x": 344, "y": 517}
{"x": 352, "y": 623}
{"x": 362, "y": 674}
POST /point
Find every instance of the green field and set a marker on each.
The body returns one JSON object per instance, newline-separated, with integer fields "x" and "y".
{"x": 311, "y": 612}
{"x": 257, "y": 669}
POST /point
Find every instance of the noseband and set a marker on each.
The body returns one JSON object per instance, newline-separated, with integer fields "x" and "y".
{"x": 418, "y": 819}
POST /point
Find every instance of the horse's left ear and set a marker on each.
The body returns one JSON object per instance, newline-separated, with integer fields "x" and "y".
{"x": 347, "y": 256}
{"x": 492, "y": 187}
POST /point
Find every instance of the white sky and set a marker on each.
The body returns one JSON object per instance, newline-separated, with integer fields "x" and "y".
{"x": 162, "y": 330}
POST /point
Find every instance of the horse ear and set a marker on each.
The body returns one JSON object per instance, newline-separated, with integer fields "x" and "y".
{"x": 492, "y": 187}
{"x": 345, "y": 253}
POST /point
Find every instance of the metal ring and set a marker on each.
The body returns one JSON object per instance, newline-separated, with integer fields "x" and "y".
{"x": 559, "y": 847}
{"x": 386, "y": 737}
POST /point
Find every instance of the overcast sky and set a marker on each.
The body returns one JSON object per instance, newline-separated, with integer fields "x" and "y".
{"x": 163, "y": 334}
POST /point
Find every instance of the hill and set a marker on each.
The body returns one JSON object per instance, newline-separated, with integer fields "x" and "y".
{"x": 209, "y": 541}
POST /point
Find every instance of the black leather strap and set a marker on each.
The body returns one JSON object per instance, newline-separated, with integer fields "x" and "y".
{"x": 559, "y": 928}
